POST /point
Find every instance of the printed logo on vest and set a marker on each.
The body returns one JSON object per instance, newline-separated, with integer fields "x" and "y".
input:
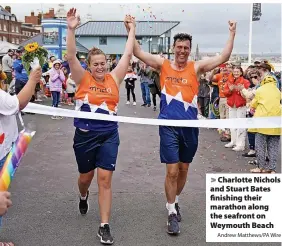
{"x": 176, "y": 80}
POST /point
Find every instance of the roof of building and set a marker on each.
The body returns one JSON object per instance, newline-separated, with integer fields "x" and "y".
{"x": 25, "y": 26}
{"x": 39, "y": 39}
{"x": 4, "y": 11}
{"x": 116, "y": 28}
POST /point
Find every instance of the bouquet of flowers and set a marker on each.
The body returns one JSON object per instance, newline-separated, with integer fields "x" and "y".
{"x": 32, "y": 51}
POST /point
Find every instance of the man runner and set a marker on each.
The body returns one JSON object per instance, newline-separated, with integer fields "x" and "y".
{"x": 179, "y": 90}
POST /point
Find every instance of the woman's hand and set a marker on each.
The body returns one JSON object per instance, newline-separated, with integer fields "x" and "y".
{"x": 73, "y": 20}
{"x": 35, "y": 75}
{"x": 129, "y": 22}
{"x": 5, "y": 202}
{"x": 231, "y": 87}
{"x": 240, "y": 87}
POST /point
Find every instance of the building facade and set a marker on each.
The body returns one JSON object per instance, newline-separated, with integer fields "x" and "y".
{"x": 11, "y": 30}
{"x": 111, "y": 36}
{"x": 36, "y": 19}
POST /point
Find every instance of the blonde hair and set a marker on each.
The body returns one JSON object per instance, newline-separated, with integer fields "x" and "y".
{"x": 93, "y": 52}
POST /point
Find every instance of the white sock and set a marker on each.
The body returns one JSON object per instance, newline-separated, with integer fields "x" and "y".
{"x": 83, "y": 198}
{"x": 171, "y": 208}
{"x": 102, "y": 224}
{"x": 176, "y": 199}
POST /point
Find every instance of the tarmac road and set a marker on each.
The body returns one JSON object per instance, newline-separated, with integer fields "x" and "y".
{"x": 45, "y": 194}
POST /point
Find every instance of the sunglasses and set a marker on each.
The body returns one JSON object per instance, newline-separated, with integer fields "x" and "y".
{"x": 254, "y": 77}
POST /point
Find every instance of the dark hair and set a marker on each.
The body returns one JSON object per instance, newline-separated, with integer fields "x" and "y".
{"x": 94, "y": 51}
{"x": 182, "y": 37}
{"x": 240, "y": 68}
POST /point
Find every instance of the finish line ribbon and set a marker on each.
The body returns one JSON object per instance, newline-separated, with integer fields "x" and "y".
{"x": 261, "y": 122}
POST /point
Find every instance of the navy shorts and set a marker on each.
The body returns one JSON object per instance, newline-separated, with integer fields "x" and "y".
{"x": 178, "y": 144}
{"x": 96, "y": 149}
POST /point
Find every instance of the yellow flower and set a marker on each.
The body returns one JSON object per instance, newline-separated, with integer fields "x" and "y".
{"x": 31, "y": 47}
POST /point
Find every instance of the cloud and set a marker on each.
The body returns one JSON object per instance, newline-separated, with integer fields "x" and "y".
{"x": 208, "y": 23}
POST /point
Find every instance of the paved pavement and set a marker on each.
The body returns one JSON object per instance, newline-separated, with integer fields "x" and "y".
{"x": 44, "y": 191}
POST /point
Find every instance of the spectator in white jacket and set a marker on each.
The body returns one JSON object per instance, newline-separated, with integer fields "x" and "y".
{"x": 9, "y": 107}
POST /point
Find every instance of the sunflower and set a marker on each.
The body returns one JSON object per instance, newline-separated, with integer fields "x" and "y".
{"x": 31, "y": 47}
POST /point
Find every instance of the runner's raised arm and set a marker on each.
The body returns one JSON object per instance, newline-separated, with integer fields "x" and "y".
{"x": 211, "y": 63}
{"x": 121, "y": 69}
{"x": 154, "y": 61}
{"x": 77, "y": 70}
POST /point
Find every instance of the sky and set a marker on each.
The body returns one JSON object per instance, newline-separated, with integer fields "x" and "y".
{"x": 207, "y": 23}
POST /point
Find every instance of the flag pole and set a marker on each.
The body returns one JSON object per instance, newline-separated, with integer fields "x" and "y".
{"x": 250, "y": 35}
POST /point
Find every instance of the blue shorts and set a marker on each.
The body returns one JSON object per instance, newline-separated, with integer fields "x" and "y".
{"x": 96, "y": 149}
{"x": 178, "y": 144}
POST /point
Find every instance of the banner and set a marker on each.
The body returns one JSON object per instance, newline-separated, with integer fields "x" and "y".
{"x": 262, "y": 122}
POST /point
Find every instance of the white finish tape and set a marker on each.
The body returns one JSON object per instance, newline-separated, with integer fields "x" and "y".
{"x": 263, "y": 122}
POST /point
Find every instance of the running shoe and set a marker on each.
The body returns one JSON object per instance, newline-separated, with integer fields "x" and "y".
{"x": 83, "y": 205}
{"x": 172, "y": 225}
{"x": 177, "y": 208}
{"x": 104, "y": 234}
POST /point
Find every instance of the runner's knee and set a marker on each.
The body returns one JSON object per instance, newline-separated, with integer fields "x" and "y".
{"x": 86, "y": 178}
{"x": 172, "y": 173}
{"x": 105, "y": 180}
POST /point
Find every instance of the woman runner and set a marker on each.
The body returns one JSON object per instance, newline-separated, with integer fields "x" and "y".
{"x": 95, "y": 141}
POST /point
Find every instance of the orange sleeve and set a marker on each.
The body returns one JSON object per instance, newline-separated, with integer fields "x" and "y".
{"x": 216, "y": 78}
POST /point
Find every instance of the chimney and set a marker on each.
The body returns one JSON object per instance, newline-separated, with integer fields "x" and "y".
{"x": 8, "y": 8}
{"x": 39, "y": 18}
{"x": 32, "y": 13}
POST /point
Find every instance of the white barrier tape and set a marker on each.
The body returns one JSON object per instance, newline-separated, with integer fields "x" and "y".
{"x": 263, "y": 122}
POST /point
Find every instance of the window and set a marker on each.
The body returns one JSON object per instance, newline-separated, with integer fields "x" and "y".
{"x": 13, "y": 40}
{"x": 2, "y": 17}
{"x": 13, "y": 28}
{"x": 7, "y": 17}
{"x": 0, "y": 38}
{"x": 13, "y": 19}
{"x": 103, "y": 40}
{"x": 17, "y": 41}
{"x": 4, "y": 27}
{"x": 4, "y": 38}
{"x": 17, "y": 29}
{"x": 0, "y": 27}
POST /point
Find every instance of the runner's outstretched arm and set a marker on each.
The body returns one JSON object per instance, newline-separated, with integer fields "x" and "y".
{"x": 120, "y": 70}
{"x": 154, "y": 61}
{"x": 211, "y": 63}
{"x": 77, "y": 70}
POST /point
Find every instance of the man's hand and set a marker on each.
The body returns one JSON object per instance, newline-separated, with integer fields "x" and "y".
{"x": 5, "y": 202}
{"x": 232, "y": 26}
